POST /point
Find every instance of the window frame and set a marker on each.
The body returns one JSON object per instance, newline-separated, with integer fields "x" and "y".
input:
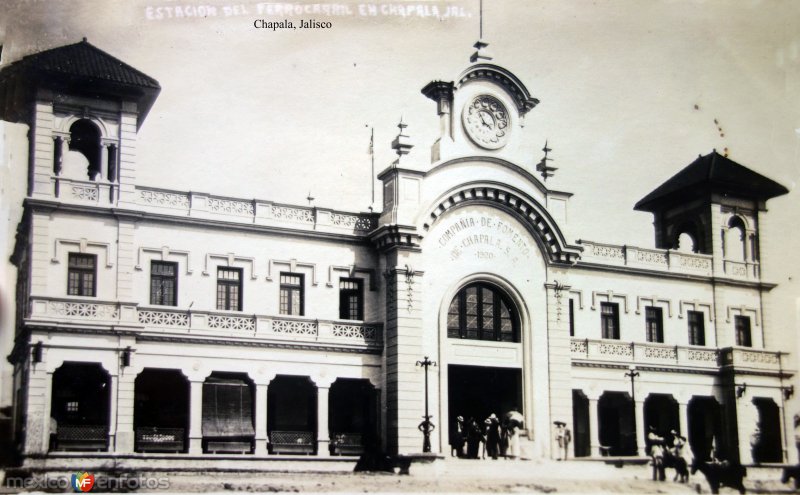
{"x": 740, "y": 324}
{"x": 482, "y": 333}
{"x": 345, "y": 304}
{"x": 611, "y": 318}
{"x": 654, "y": 324}
{"x": 697, "y": 327}
{"x": 290, "y": 288}
{"x": 227, "y": 285}
{"x": 73, "y": 268}
{"x": 162, "y": 277}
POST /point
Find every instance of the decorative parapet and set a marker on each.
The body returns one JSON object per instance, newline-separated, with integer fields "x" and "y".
{"x": 201, "y": 205}
{"x": 627, "y": 353}
{"x": 55, "y": 312}
{"x": 84, "y": 191}
{"x": 739, "y": 358}
{"x": 650, "y": 259}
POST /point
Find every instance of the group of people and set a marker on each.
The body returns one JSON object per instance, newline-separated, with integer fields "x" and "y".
{"x": 493, "y": 437}
{"x": 667, "y": 447}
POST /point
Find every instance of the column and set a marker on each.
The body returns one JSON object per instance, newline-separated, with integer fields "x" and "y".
{"x": 323, "y": 435}
{"x": 196, "y": 417}
{"x": 125, "y": 398}
{"x": 683, "y": 419}
{"x": 640, "y": 443}
{"x": 594, "y": 428}
{"x": 112, "y": 413}
{"x": 261, "y": 418}
{"x": 37, "y": 418}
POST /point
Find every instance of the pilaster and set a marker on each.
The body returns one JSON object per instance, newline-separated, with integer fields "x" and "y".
{"x": 640, "y": 441}
{"x": 196, "y": 417}
{"x": 261, "y": 418}
{"x": 323, "y": 434}
{"x": 124, "y": 405}
{"x": 127, "y": 156}
{"x": 42, "y": 147}
{"x": 594, "y": 427}
{"x": 404, "y": 380}
{"x": 126, "y": 258}
{"x": 559, "y": 357}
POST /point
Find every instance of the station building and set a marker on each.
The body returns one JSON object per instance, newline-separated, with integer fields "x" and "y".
{"x": 183, "y": 325}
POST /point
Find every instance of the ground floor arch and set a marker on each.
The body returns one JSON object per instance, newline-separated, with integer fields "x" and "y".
{"x": 228, "y": 413}
{"x": 581, "y": 424}
{"x": 616, "y": 423}
{"x": 292, "y": 415}
{"x": 705, "y": 427}
{"x": 161, "y": 411}
{"x": 353, "y": 416}
{"x": 80, "y": 407}
{"x": 765, "y": 444}
{"x": 661, "y": 415}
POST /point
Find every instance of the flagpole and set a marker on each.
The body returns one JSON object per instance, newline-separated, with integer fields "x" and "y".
{"x": 372, "y": 155}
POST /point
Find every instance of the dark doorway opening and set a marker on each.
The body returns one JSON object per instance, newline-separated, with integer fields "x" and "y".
{"x": 661, "y": 412}
{"x": 161, "y": 411}
{"x": 478, "y": 391}
{"x": 80, "y": 408}
{"x": 352, "y": 416}
{"x": 580, "y": 422}
{"x": 767, "y": 443}
{"x": 705, "y": 427}
{"x": 292, "y": 415}
{"x": 615, "y": 418}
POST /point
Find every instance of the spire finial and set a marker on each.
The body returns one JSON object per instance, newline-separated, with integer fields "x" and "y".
{"x": 542, "y": 167}
{"x": 402, "y": 143}
{"x": 480, "y": 20}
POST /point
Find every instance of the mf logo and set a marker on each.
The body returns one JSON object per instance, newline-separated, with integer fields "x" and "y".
{"x": 82, "y": 482}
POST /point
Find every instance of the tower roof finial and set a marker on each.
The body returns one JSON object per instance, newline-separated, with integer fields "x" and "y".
{"x": 480, "y": 45}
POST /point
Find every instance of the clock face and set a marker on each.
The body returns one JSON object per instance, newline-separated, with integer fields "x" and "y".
{"x": 486, "y": 122}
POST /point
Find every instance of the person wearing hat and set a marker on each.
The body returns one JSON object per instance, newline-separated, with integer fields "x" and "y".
{"x": 457, "y": 437}
{"x": 656, "y": 444}
{"x": 563, "y": 437}
{"x": 492, "y": 436}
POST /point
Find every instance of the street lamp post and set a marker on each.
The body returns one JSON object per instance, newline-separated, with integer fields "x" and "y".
{"x": 632, "y": 373}
{"x": 426, "y": 427}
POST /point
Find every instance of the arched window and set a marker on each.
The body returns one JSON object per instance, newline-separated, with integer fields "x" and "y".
{"x": 482, "y": 312}
{"x": 735, "y": 242}
{"x": 686, "y": 243}
{"x": 85, "y": 138}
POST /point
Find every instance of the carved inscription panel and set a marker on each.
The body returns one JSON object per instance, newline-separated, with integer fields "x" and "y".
{"x": 474, "y": 234}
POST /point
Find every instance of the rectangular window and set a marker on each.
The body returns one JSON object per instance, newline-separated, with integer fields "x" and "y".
{"x": 742, "y": 324}
{"x": 654, "y": 324}
{"x": 609, "y": 320}
{"x": 291, "y": 299}
{"x": 351, "y": 299}
{"x": 571, "y": 317}
{"x": 697, "y": 331}
{"x": 229, "y": 289}
{"x": 72, "y": 406}
{"x": 163, "y": 283}
{"x": 81, "y": 275}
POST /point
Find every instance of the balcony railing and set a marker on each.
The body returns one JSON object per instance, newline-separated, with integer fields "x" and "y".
{"x": 85, "y": 191}
{"x": 681, "y": 356}
{"x": 653, "y": 259}
{"x": 207, "y": 323}
{"x": 202, "y": 205}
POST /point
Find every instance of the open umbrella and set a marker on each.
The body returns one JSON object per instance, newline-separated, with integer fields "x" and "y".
{"x": 516, "y": 417}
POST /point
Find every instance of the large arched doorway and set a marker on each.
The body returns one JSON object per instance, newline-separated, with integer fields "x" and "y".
{"x": 705, "y": 427}
{"x": 80, "y": 407}
{"x": 352, "y": 416}
{"x": 479, "y": 382}
{"x": 161, "y": 411}
{"x": 615, "y": 418}
{"x": 661, "y": 414}
{"x": 292, "y": 415}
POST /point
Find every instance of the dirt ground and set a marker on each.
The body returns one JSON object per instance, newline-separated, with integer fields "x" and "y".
{"x": 466, "y": 476}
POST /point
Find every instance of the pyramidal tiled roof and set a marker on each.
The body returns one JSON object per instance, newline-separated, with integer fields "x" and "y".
{"x": 712, "y": 173}
{"x": 83, "y": 59}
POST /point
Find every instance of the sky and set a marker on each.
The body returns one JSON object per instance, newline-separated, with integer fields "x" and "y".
{"x": 630, "y": 92}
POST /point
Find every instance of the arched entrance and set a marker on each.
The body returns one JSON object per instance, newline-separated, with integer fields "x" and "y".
{"x": 766, "y": 444}
{"x": 80, "y": 407}
{"x": 161, "y": 411}
{"x": 483, "y": 325}
{"x": 661, "y": 413}
{"x": 615, "y": 418}
{"x": 352, "y": 416}
{"x": 705, "y": 427}
{"x": 292, "y": 415}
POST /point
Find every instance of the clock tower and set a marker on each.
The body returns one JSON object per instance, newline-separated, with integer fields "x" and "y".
{"x": 481, "y": 112}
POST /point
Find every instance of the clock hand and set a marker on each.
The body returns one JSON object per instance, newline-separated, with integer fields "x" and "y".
{"x": 483, "y": 119}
